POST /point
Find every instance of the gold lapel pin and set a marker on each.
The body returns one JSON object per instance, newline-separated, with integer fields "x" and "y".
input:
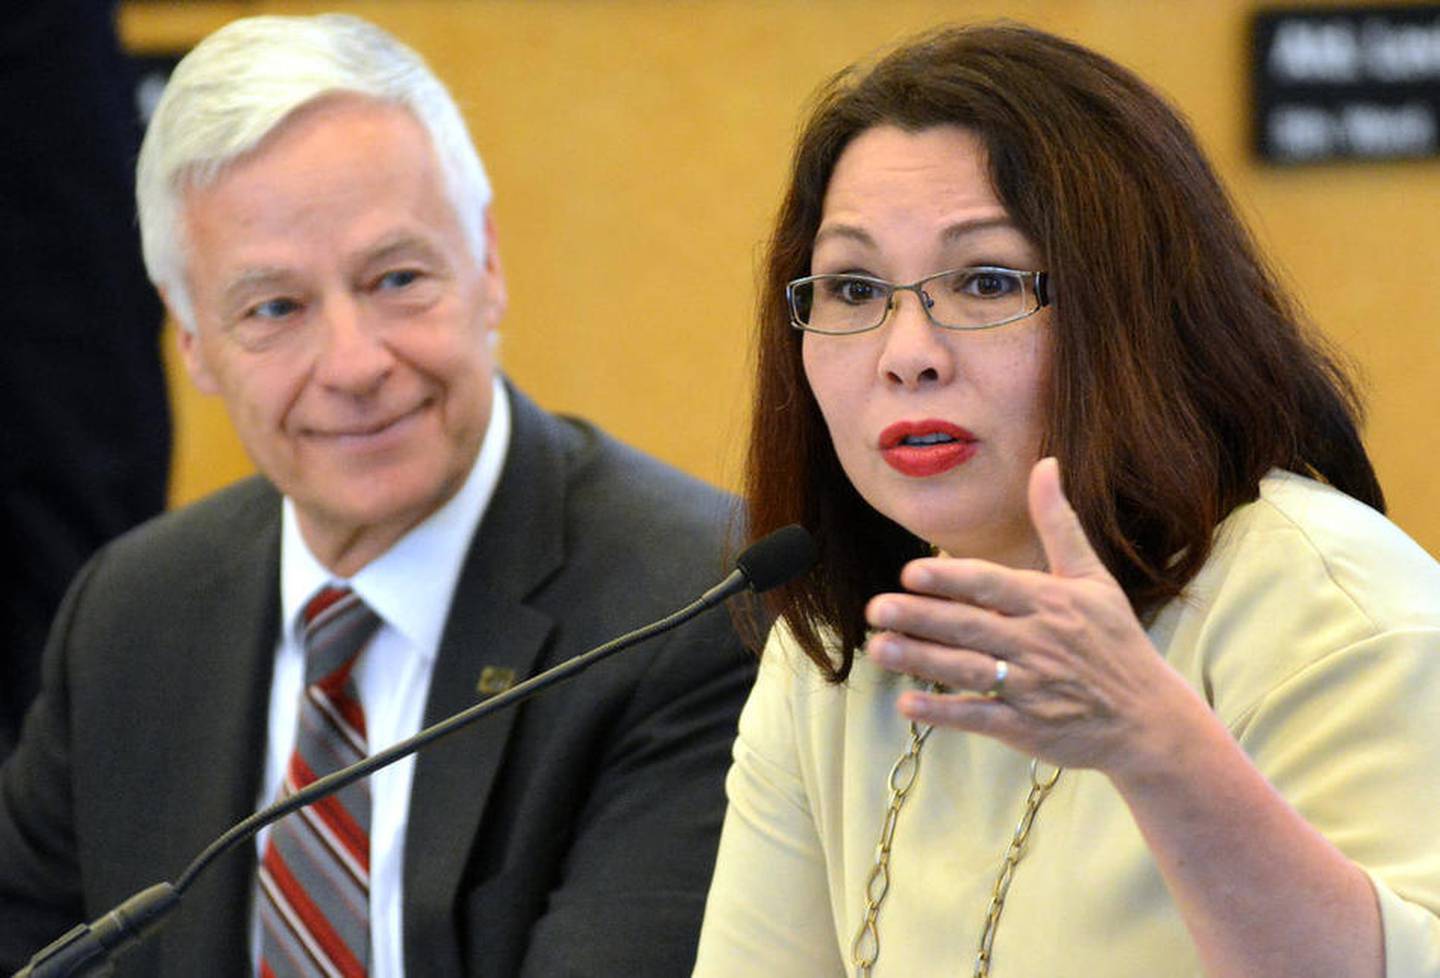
{"x": 495, "y": 679}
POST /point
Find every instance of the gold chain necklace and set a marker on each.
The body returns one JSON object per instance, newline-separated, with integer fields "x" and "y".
{"x": 865, "y": 948}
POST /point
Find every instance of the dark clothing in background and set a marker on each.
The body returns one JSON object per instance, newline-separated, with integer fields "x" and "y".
{"x": 84, "y": 423}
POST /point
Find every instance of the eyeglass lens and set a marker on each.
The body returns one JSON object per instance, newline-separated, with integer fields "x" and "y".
{"x": 963, "y": 297}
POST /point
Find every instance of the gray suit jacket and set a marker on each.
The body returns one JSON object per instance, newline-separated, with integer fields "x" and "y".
{"x": 574, "y": 835}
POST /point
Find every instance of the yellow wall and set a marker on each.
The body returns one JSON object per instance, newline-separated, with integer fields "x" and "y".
{"x": 637, "y": 148}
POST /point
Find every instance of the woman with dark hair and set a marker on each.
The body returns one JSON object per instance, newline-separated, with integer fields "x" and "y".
{"x": 1180, "y": 717}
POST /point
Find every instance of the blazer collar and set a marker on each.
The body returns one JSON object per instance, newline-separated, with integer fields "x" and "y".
{"x": 491, "y": 632}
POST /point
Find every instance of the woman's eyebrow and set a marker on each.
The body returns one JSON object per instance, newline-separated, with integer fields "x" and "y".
{"x": 964, "y": 229}
{"x": 848, "y": 231}
{"x": 952, "y": 233}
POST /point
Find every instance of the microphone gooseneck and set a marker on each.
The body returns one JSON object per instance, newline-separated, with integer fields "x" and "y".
{"x": 769, "y": 562}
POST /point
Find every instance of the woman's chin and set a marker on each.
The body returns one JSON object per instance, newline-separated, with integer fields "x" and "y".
{"x": 1018, "y": 549}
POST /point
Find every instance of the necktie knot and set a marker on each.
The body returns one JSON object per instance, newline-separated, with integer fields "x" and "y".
{"x": 338, "y": 625}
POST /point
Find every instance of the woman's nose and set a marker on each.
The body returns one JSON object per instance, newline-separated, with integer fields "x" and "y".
{"x": 915, "y": 351}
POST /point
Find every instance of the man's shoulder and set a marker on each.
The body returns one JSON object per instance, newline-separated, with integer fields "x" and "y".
{"x": 622, "y": 478}
{"x": 244, "y": 511}
{"x": 152, "y": 582}
{"x": 622, "y": 498}
{"x": 622, "y": 516}
{"x": 613, "y": 488}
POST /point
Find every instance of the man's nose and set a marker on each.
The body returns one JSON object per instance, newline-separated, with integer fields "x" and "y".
{"x": 353, "y": 357}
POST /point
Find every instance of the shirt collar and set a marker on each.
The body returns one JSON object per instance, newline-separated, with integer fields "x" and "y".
{"x": 410, "y": 585}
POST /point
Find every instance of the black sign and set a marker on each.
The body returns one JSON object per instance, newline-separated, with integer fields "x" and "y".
{"x": 1357, "y": 83}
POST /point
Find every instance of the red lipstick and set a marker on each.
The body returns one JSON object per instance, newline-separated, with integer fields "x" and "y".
{"x": 926, "y": 448}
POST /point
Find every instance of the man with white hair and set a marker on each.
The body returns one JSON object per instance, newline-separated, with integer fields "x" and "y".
{"x": 316, "y": 218}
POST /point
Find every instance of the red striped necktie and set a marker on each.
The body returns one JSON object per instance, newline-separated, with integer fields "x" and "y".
{"x": 315, "y": 873}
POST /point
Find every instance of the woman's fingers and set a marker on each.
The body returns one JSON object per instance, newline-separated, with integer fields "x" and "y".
{"x": 974, "y": 582}
{"x": 957, "y": 669}
{"x": 1077, "y": 667}
{"x": 1067, "y": 549}
{"x": 977, "y": 714}
{"x": 943, "y": 621}
{"x": 1007, "y": 590}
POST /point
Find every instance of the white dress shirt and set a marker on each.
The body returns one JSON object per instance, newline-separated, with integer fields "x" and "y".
{"x": 410, "y": 587}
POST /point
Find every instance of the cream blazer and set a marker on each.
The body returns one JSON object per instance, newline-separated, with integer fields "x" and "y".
{"x": 1313, "y": 631}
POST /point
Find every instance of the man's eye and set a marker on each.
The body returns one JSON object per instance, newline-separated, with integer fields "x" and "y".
{"x": 273, "y": 309}
{"x": 398, "y": 279}
{"x": 854, "y": 290}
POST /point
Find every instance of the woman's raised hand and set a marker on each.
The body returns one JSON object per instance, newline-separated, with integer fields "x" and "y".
{"x": 1081, "y": 685}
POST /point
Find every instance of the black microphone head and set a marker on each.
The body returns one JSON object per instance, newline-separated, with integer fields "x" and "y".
{"x": 777, "y": 558}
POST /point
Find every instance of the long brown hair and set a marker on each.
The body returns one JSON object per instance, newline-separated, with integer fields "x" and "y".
{"x": 1182, "y": 371}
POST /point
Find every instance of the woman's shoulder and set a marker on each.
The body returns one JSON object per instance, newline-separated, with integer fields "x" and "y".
{"x": 1302, "y": 573}
{"x": 786, "y": 668}
{"x": 816, "y": 714}
{"x": 1300, "y": 529}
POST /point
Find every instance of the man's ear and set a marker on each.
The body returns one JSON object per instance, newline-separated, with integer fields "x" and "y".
{"x": 190, "y": 352}
{"x": 494, "y": 276}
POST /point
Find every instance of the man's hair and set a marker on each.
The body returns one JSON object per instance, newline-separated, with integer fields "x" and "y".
{"x": 244, "y": 81}
{"x": 1181, "y": 370}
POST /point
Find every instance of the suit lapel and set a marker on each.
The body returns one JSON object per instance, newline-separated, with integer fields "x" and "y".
{"x": 518, "y": 546}
{"x": 225, "y": 723}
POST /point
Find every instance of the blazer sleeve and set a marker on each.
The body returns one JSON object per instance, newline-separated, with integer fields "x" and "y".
{"x": 1353, "y": 742}
{"x": 626, "y": 903}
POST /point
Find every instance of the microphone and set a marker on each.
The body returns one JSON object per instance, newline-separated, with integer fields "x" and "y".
{"x": 775, "y": 559}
